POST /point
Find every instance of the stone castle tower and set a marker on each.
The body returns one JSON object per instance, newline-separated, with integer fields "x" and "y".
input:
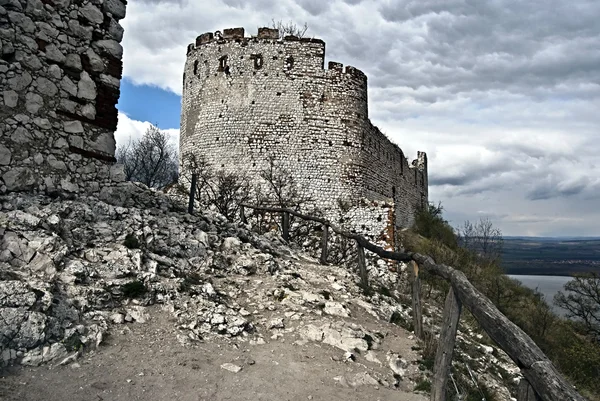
{"x": 246, "y": 99}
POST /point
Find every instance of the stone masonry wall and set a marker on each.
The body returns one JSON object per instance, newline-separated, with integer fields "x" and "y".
{"x": 60, "y": 71}
{"x": 246, "y": 99}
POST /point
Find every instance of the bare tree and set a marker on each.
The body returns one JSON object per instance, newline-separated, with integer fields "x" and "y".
{"x": 151, "y": 160}
{"x": 197, "y": 164}
{"x": 281, "y": 187}
{"x": 227, "y": 190}
{"x": 483, "y": 239}
{"x": 289, "y": 28}
{"x": 223, "y": 190}
{"x": 581, "y": 300}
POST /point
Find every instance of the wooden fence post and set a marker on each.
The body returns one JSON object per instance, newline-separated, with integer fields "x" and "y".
{"x": 443, "y": 356}
{"x": 243, "y": 215}
{"x": 362, "y": 268}
{"x": 192, "y": 193}
{"x": 525, "y": 392}
{"x": 416, "y": 300}
{"x": 324, "y": 240}
{"x": 285, "y": 225}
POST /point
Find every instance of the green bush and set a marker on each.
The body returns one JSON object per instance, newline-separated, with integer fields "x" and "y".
{"x": 576, "y": 355}
{"x": 430, "y": 224}
{"x": 73, "y": 343}
{"x": 423, "y": 385}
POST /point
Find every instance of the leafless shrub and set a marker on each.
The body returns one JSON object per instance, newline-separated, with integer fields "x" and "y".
{"x": 151, "y": 160}
{"x": 289, "y": 28}
{"x": 483, "y": 239}
{"x": 280, "y": 188}
{"x": 221, "y": 189}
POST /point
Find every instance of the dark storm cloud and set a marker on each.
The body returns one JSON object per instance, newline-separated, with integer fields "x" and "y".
{"x": 509, "y": 45}
{"x": 550, "y": 188}
{"x": 314, "y": 7}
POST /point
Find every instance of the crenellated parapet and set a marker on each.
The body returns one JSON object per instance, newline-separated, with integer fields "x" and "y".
{"x": 232, "y": 56}
{"x": 238, "y": 34}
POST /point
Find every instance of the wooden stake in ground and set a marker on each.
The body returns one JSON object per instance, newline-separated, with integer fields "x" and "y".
{"x": 445, "y": 349}
{"x": 416, "y": 299}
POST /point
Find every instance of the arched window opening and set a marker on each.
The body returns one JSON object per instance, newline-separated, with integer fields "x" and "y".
{"x": 289, "y": 63}
{"x": 223, "y": 67}
{"x": 258, "y": 61}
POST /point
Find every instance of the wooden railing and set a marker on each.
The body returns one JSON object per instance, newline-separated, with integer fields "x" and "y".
{"x": 541, "y": 379}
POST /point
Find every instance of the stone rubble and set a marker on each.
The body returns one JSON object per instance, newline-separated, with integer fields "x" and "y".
{"x": 72, "y": 270}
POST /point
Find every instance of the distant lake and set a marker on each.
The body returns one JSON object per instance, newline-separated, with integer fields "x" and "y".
{"x": 547, "y": 285}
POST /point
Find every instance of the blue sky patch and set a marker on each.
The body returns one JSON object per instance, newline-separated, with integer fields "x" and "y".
{"x": 150, "y": 103}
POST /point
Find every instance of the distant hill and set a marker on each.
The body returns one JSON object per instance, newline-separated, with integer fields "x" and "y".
{"x": 562, "y": 256}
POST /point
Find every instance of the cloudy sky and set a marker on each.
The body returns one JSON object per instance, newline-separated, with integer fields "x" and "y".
{"x": 503, "y": 95}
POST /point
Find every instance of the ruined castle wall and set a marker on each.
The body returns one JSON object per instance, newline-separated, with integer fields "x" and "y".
{"x": 388, "y": 175}
{"x": 248, "y": 99}
{"x": 60, "y": 71}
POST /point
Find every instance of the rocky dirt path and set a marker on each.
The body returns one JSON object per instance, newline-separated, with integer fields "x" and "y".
{"x": 144, "y": 361}
{"x": 218, "y": 312}
{"x": 314, "y": 338}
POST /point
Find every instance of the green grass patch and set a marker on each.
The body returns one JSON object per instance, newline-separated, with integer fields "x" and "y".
{"x": 423, "y": 385}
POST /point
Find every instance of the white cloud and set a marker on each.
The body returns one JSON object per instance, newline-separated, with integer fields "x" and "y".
{"x": 132, "y": 129}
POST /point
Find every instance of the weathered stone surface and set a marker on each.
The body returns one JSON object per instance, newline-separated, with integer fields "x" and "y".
{"x": 32, "y": 62}
{"x": 115, "y": 7}
{"x": 68, "y": 186}
{"x": 117, "y": 173}
{"x": 5, "y": 155}
{"x": 55, "y": 163}
{"x": 20, "y": 82}
{"x": 86, "y": 87}
{"x": 33, "y": 102}
{"x": 19, "y": 178}
{"x": 53, "y": 53}
{"x": 60, "y": 70}
{"x": 112, "y": 47}
{"x": 95, "y": 61}
{"x": 21, "y": 135}
{"x": 47, "y": 29}
{"x": 43, "y": 123}
{"x": 73, "y": 61}
{"x": 54, "y": 71}
{"x": 76, "y": 140}
{"x": 110, "y": 80}
{"x": 68, "y": 86}
{"x": 73, "y": 127}
{"x": 88, "y": 111}
{"x": 11, "y": 98}
{"x": 105, "y": 143}
{"x": 115, "y": 31}
{"x": 46, "y": 87}
{"x": 91, "y": 13}
{"x": 231, "y": 367}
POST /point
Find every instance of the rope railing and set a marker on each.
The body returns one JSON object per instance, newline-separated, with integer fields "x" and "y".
{"x": 541, "y": 379}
